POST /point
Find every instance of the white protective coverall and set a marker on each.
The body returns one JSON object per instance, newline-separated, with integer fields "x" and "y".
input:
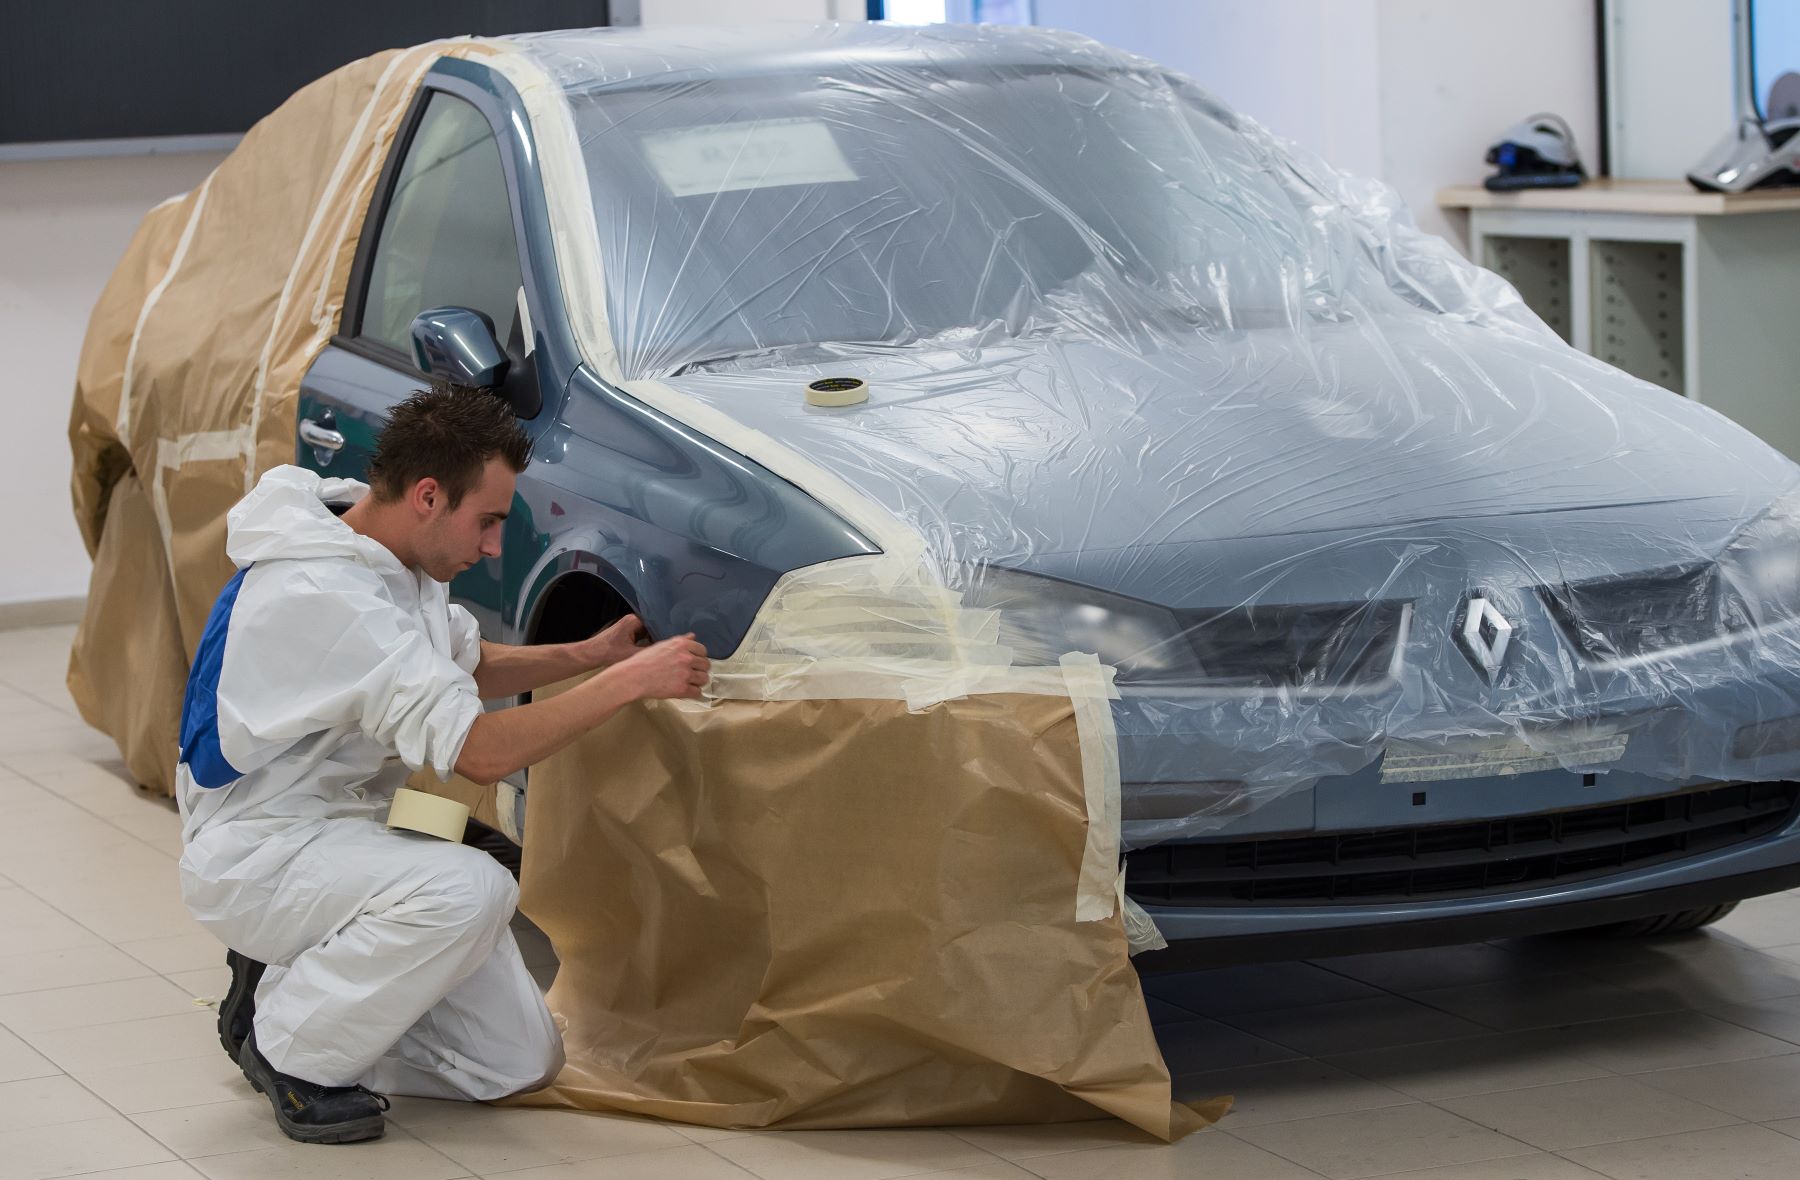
{"x": 326, "y": 672}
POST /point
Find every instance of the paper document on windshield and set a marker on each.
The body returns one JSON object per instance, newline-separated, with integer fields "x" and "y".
{"x": 754, "y": 153}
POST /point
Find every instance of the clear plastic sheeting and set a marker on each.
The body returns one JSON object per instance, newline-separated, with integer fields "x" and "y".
{"x": 1148, "y": 383}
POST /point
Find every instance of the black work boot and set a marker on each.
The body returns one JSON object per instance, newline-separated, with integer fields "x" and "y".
{"x": 238, "y": 1009}
{"x": 312, "y": 1113}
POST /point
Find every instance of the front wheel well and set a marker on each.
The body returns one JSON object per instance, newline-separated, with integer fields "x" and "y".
{"x": 578, "y": 605}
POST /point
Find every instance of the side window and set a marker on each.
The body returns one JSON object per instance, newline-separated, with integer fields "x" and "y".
{"x": 446, "y": 238}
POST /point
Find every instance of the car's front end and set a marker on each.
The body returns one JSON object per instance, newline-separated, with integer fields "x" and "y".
{"x": 1425, "y": 626}
{"x": 1525, "y": 756}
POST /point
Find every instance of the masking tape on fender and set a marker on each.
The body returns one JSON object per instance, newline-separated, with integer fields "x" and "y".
{"x": 1090, "y": 688}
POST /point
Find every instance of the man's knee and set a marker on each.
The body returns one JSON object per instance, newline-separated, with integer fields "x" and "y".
{"x": 472, "y": 891}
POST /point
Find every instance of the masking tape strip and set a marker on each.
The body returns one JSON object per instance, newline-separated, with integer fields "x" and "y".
{"x": 434, "y": 816}
{"x": 1090, "y": 688}
{"x": 123, "y": 425}
{"x": 171, "y": 453}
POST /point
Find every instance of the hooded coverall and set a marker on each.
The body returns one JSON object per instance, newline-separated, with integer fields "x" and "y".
{"x": 327, "y": 672}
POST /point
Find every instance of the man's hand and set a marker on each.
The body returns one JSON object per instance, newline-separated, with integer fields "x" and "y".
{"x": 505, "y": 740}
{"x": 616, "y": 643}
{"x": 673, "y": 669}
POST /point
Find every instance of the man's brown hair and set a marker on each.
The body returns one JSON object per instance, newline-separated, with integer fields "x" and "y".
{"x": 447, "y": 433}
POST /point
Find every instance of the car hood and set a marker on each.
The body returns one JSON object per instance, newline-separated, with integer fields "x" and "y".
{"x": 1184, "y": 470}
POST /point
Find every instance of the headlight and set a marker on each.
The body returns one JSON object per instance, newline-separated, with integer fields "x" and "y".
{"x": 1759, "y": 572}
{"x": 1312, "y": 646}
{"x": 1042, "y": 619}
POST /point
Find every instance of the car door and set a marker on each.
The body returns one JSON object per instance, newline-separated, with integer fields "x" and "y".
{"x": 443, "y": 231}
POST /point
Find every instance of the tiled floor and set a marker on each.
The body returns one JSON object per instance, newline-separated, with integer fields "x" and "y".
{"x": 1535, "y": 1060}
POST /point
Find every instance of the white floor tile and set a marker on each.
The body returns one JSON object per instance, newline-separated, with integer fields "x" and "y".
{"x": 1743, "y": 1152}
{"x": 19, "y": 1060}
{"x": 1478, "y": 1065}
{"x": 1543, "y": 1001}
{"x": 849, "y": 1155}
{"x": 1198, "y": 1046}
{"x": 1543, "y": 1166}
{"x": 208, "y": 983}
{"x": 1209, "y": 1153}
{"x": 1032, "y": 1139}
{"x": 508, "y": 1140}
{"x": 29, "y": 924}
{"x": 395, "y": 1156}
{"x": 674, "y": 1163}
{"x": 103, "y": 788}
{"x": 169, "y": 1170}
{"x": 1376, "y": 1142}
{"x": 130, "y": 1042}
{"x": 215, "y": 1128}
{"x": 1354, "y": 1025}
{"x": 69, "y": 1149}
{"x": 1288, "y": 1090}
{"x": 168, "y": 1085}
{"x": 191, "y": 951}
{"x": 1438, "y": 966}
{"x": 1760, "y": 1090}
{"x": 1667, "y": 1041}
{"x": 1581, "y": 1114}
{"x": 44, "y": 1102}
{"x": 92, "y": 1004}
{"x": 67, "y": 967}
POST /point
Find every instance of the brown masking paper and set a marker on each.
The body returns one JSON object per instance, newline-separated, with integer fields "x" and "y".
{"x": 190, "y": 375}
{"x": 836, "y": 913}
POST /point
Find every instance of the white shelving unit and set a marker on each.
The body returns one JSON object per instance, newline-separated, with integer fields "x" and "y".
{"x": 1696, "y": 292}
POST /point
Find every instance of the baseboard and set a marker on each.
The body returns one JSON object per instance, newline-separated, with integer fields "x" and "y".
{"x": 41, "y": 612}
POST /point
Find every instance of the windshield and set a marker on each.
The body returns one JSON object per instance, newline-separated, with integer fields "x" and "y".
{"x": 742, "y": 214}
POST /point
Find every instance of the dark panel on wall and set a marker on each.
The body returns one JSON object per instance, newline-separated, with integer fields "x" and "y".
{"x": 115, "y": 69}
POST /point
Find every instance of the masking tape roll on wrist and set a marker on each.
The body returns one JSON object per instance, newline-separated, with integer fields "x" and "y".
{"x": 418, "y": 812}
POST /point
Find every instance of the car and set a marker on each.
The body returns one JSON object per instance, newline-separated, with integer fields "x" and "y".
{"x": 1426, "y": 627}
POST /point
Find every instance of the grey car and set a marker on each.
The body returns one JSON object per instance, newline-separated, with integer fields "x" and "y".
{"x": 1426, "y": 627}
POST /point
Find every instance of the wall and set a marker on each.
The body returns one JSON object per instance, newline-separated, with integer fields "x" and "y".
{"x": 1454, "y": 76}
{"x": 1673, "y": 85}
{"x": 63, "y": 226}
{"x": 1412, "y": 91}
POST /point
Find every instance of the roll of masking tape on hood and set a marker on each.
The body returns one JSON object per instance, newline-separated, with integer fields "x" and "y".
{"x": 835, "y": 392}
{"x": 418, "y": 812}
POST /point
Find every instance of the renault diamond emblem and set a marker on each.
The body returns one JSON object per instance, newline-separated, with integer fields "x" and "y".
{"x": 1484, "y": 637}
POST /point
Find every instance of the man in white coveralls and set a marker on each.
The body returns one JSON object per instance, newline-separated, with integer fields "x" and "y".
{"x": 333, "y": 665}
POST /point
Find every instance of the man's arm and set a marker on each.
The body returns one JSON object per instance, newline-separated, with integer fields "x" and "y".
{"x": 506, "y": 671}
{"x": 511, "y": 739}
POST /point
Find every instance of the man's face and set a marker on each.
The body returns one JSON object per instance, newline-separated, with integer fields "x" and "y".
{"x": 450, "y": 540}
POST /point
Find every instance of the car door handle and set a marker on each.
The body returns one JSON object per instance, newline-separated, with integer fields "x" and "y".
{"x": 320, "y": 438}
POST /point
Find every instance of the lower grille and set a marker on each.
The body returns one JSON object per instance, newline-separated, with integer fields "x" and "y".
{"x": 1459, "y": 860}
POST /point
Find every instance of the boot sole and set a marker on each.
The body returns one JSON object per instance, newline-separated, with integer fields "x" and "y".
{"x": 351, "y": 1132}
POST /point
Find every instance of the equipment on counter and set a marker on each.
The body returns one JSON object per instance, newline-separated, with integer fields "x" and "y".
{"x": 1538, "y": 152}
{"x": 1762, "y": 151}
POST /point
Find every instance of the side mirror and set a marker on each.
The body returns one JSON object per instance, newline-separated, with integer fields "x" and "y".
{"x": 456, "y": 344}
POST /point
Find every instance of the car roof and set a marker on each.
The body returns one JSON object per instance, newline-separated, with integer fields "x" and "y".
{"x": 582, "y": 60}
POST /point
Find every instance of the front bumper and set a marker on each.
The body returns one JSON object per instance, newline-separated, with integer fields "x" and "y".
{"x": 1204, "y": 937}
